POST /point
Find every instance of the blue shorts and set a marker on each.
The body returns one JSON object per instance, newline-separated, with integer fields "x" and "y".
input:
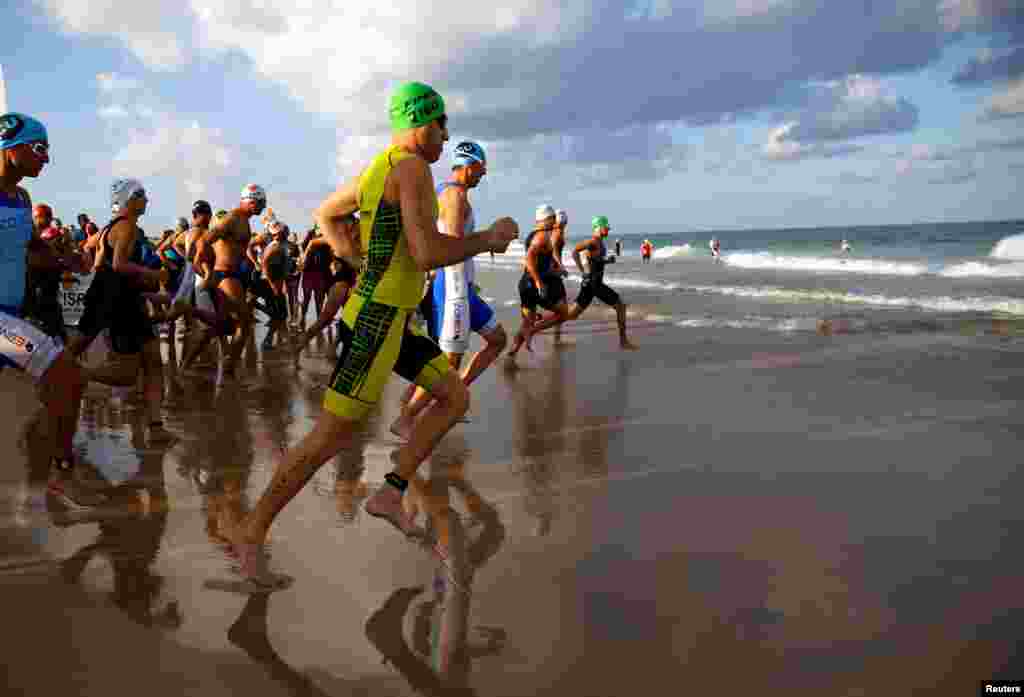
{"x": 456, "y": 317}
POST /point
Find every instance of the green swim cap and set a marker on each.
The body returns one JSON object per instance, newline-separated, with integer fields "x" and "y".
{"x": 600, "y": 221}
{"x": 413, "y": 105}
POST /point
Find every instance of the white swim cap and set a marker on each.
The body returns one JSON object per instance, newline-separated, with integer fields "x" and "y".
{"x": 122, "y": 190}
{"x": 543, "y": 213}
{"x": 562, "y": 216}
{"x": 254, "y": 192}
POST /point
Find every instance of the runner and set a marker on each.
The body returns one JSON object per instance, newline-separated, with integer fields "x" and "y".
{"x": 315, "y": 263}
{"x": 229, "y": 238}
{"x": 270, "y": 287}
{"x": 457, "y": 306}
{"x": 541, "y": 284}
{"x": 646, "y": 248}
{"x": 558, "y": 241}
{"x": 42, "y": 304}
{"x": 716, "y": 248}
{"x": 398, "y": 233}
{"x": 593, "y": 285}
{"x": 343, "y": 280}
{"x": 24, "y": 150}
{"x": 293, "y": 279}
{"x": 124, "y": 280}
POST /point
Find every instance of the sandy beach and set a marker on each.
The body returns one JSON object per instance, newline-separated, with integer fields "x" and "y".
{"x": 726, "y": 509}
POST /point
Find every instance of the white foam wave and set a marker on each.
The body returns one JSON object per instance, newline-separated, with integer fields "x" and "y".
{"x": 978, "y": 268}
{"x": 1011, "y": 247}
{"x": 1001, "y": 304}
{"x": 767, "y": 260}
{"x": 676, "y": 250}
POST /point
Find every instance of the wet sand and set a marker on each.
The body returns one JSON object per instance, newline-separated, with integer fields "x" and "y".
{"x": 723, "y": 510}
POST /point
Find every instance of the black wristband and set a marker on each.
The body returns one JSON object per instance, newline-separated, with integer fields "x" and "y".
{"x": 396, "y": 481}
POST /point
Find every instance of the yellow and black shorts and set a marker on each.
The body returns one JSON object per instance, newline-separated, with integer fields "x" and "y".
{"x": 375, "y": 340}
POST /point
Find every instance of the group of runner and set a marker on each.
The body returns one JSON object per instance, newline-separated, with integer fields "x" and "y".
{"x": 391, "y": 222}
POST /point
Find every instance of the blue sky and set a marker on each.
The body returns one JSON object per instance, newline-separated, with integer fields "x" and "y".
{"x": 673, "y": 115}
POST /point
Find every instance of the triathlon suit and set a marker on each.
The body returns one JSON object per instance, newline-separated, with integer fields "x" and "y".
{"x": 457, "y": 308}
{"x": 529, "y": 297}
{"x": 593, "y": 285}
{"x": 22, "y": 344}
{"x": 122, "y": 310}
{"x": 317, "y": 271}
{"x": 375, "y": 334}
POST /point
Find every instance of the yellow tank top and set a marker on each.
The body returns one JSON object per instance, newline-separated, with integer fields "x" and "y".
{"x": 389, "y": 275}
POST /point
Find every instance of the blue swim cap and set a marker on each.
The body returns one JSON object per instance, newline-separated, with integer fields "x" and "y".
{"x": 19, "y": 129}
{"x": 466, "y": 153}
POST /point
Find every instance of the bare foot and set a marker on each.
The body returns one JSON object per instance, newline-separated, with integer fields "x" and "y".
{"x": 628, "y": 346}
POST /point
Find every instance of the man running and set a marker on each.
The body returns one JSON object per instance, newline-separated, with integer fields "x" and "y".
{"x": 343, "y": 280}
{"x": 400, "y": 240}
{"x": 593, "y": 285}
{"x": 541, "y": 284}
{"x": 270, "y": 287}
{"x": 558, "y": 238}
{"x": 229, "y": 238}
{"x": 315, "y": 263}
{"x": 457, "y": 306}
{"x": 24, "y": 150}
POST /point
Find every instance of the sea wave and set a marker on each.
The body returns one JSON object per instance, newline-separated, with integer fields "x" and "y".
{"x": 1011, "y": 247}
{"x": 676, "y": 250}
{"x": 767, "y": 260}
{"x": 991, "y": 303}
{"x": 972, "y": 269}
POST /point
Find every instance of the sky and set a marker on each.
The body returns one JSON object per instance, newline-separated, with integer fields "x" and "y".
{"x": 664, "y": 115}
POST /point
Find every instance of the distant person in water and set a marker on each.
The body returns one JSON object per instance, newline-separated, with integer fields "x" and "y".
{"x": 618, "y": 248}
{"x": 716, "y": 248}
{"x": 845, "y": 247}
{"x": 646, "y": 248}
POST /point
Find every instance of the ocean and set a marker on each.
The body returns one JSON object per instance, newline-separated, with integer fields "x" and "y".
{"x": 790, "y": 280}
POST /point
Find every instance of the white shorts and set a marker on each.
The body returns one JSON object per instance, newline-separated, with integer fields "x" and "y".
{"x": 26, "y": 347}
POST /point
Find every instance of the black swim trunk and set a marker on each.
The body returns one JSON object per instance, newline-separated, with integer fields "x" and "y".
{"x": 530, "y": 299}
{"x": 274, "y": 306}
{"x": 590, "y": 290}
{"x": 219, "y": 276}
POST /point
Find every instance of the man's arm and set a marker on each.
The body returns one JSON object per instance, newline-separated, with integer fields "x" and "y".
{"x": 428, "y": 247}
{"x": 584, "y": 246}
{"x": 256, "y": 242}
{"x": 456, "y": 208}
{"x": 330, "y": 217}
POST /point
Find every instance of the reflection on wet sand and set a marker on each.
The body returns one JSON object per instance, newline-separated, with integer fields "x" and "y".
{"x": 131, "y": 529}
{"x": 443, "y": 648}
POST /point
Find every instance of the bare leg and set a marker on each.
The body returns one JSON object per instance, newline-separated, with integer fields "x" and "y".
{"x": 330, "y": 434}
{"x": 60, "y": 391}
{"x": 452, "y": 402}
{"x": 620, "y": 315}
{"x": 403, "y": 425}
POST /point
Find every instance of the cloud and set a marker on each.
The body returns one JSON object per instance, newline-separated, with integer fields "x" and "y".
{"x": 530, "y": 66}
{"x": 151, "y": 142}
{"x": 1006, "y": 104}
{"x": 980, "y": 15}
{"x": 989, "y": 66}
{"x": 836, "y": 112}
{"x": 112, "y": 82}
{"x": 152, "y": 30}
